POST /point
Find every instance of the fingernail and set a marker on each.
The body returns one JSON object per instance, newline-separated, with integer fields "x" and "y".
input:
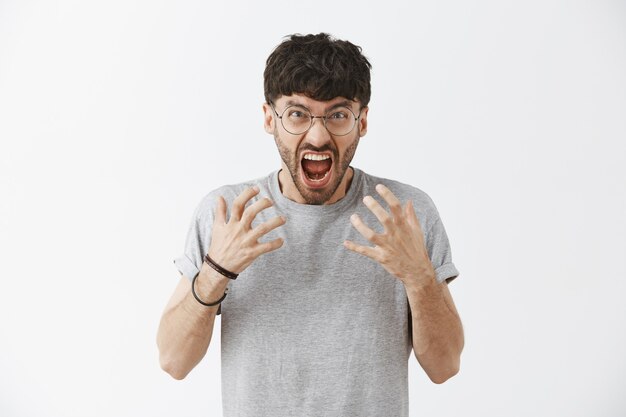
{"x": 255, "y": 188}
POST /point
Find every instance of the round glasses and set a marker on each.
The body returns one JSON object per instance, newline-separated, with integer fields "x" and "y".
{"x": 339, "y": 121}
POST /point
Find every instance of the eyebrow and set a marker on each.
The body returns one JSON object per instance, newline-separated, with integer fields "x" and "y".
{"x": 345, "y": 103}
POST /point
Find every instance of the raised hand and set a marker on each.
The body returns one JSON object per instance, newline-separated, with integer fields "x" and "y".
{"x": 234, "y": 243}
{"x": 400, "y": 249}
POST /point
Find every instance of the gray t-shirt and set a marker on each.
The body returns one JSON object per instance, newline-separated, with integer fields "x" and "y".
{"x": 312, "y": 328}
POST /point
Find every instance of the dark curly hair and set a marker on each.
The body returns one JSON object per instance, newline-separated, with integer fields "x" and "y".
{"x": 318, "y": 66}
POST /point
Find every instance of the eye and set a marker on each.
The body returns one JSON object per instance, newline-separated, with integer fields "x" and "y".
{"x": 296, "y": 114}
{"x": 338, "y": 115}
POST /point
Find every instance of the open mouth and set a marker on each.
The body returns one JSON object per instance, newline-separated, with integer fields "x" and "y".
{"x": 316, "y": 169}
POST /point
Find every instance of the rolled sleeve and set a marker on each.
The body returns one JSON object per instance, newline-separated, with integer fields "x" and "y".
{"x": 190, "y": 261}
{"x": 197, "y": 241}
{"x": 440, "y": 253}
{"x": 446, "y": 272}
{"x": 186, "y": 267}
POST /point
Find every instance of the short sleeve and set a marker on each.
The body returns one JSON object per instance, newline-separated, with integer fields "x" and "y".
{"x": 197, "y": 242}
{"x": 440, "y": 252}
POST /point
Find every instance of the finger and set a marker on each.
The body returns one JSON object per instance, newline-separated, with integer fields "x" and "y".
{"x": 220, "y": 211}
{"x": 363, "y": 250}
{"x": 413, "y": 220}
{"x": 250, "y": 212}
{"x": 362, "y": 228}
{"x": 394, "y": 204}
{"x": 266, "y": 227}
{"x": 265, "y": 247}
{"x": 378, "y": 210}
{"x": 240, "y": 202}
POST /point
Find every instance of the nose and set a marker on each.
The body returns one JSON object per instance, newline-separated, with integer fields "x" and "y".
{"x": 318, "y": 135}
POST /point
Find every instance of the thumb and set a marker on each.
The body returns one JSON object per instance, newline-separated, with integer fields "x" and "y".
{"x": 410, "y": 214}
{"x": 220, "y": 212}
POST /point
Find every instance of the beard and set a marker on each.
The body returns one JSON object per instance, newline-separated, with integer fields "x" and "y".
{"x": 339, "y": 169}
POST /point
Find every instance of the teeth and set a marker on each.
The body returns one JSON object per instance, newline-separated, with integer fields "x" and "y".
{"x": 314, "y": 157}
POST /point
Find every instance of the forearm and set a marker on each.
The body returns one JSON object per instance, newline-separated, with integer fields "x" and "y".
{"x": 437, "y": 330}
{"x": 185, "y": 331}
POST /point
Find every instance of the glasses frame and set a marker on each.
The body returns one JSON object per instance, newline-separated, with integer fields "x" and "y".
{"x": 280, "y": 116}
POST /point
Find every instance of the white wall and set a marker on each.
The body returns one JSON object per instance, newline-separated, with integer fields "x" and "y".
{"x": 117, "y": 117}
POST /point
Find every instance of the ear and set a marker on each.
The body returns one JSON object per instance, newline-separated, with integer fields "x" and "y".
{"x": 363, "y": 121}
{"x": 268, "y": 118}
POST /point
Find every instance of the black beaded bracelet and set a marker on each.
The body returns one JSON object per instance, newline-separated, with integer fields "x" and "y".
{"x": 193, "y": 290}
{"x": 218, "y": 268}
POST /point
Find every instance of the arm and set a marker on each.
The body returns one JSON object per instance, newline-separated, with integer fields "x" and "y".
{"x": 186, "y": 325}
{"x": 437, "y": 332}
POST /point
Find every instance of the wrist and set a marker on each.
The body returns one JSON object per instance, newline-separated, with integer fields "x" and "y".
{"x": 422, "y": 281}
{"x": 210, "y": 283}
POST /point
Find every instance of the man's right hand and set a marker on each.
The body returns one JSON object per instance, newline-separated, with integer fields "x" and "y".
{"x": 183, "y": 338}
{"x": 234, "y": 244}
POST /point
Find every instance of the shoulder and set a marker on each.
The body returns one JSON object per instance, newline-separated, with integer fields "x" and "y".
{"x": 208, "y": 201}
{"x": 423, "y": 204}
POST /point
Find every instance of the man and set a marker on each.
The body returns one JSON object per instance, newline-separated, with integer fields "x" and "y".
{"x": 318, "y": 321}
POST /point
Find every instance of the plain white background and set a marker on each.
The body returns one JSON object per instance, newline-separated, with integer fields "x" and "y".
{"x": 117, "y": 117}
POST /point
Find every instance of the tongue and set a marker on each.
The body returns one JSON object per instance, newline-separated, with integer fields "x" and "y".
{"x": 316, "y": 167}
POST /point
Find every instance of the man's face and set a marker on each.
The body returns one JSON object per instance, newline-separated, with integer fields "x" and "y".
{"x": 313, "y": 187}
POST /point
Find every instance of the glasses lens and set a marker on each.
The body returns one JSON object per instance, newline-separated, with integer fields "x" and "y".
{"x": 296, "y": 119}
{"x": 340, "y": 121}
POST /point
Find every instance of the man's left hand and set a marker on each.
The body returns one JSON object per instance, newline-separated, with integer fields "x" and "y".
{"x": 400, "y": 249}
